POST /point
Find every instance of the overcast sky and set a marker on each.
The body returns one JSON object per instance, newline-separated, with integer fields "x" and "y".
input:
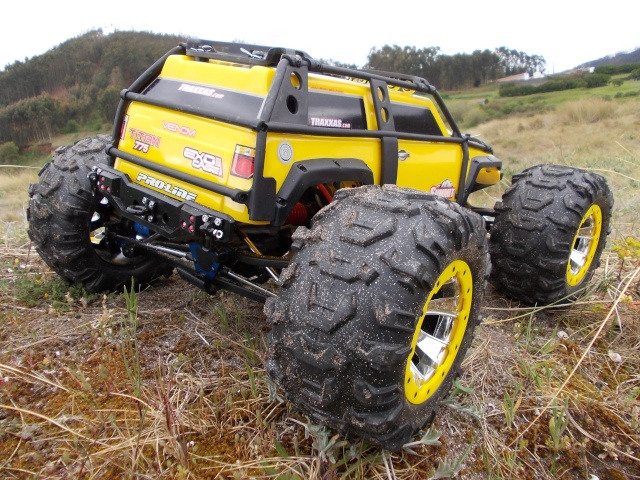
{"x": 566, "y": 33}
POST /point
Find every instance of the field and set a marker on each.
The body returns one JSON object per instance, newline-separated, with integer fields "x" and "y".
{"x": 169, "y": 382}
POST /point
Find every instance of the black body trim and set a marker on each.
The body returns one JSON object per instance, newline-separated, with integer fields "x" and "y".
{"x": 462, "y": 190}
{"x": 477, "y": 164}
{"x": 161, "y": 213}
{"x": 309, "y": 173}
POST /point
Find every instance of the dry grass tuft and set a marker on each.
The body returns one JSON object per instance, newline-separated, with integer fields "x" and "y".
{"x": 610, "y": 147}
{"x": 586, "y": 111}
{"x": 13, "y": 195}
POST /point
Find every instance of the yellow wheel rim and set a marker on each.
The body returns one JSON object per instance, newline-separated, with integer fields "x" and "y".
{"x": 584, "y": 246}
{"x": 439, "y": 333}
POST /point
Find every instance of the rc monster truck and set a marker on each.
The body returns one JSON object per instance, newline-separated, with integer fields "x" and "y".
{"x": 337, "y": 197}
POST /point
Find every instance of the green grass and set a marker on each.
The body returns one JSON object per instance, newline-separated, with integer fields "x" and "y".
{"x": 469, "y": 113}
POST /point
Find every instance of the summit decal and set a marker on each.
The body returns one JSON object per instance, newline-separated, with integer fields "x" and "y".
{"x": 445, "y": 189}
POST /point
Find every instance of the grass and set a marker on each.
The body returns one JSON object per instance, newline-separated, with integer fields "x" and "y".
{"x": 169, "y": 382}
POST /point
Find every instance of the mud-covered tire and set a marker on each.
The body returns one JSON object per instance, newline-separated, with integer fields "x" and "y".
{"x": 549, "y": 232}
{"x": 352, "y": 305}
{"x": 61, "y": 208}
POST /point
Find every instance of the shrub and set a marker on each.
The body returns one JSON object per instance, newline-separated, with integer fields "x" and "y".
{"x": 9, "y": 152}
{"x": 616, "y": 69}
{"x": 513, "y": 90}
{"x": 632, "y": 93}
{"x": 597, "y": 80}
{"x": 71, "y": 127}
{"x": 634, "y": 75}
{"x": 475, "y": 117}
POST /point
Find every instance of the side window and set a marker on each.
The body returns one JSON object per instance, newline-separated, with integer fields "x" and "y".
{"x": 336, "y": 111}
{"x": 410, "y": 119}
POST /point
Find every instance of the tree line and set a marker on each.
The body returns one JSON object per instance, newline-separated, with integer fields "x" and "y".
{"x": 78, "y": 82}
{"x": 451, "y": 72}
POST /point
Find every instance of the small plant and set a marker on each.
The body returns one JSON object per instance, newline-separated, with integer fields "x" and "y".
{"x": 449, "y": 467}
{"x": 628, "y": 249}
{"x": 325, "y": 445}
{"x": 510, "y": 404}
{"x": 430, "y": 438}
{"x": 32, "y": 290}
{"x": 466, "y": 409}
{"x": 131, "y": 358}
{"x": 129, "y": 337}
{"x": 558, "y": 424}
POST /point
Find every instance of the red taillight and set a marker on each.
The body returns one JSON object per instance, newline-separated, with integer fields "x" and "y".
{"x": 123, "y": 129}
{"x": 243, "y": 159}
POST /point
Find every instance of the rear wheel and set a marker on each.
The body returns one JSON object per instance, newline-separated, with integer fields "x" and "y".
{"x": 69, "y": 224}
{"x": 550, "y": 229}
{"x": 377, "y": 310}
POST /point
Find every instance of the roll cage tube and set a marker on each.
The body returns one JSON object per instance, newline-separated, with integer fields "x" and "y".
{"x": 277, "y": 115}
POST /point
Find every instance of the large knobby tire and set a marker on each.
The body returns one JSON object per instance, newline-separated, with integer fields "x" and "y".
{"x": 66, "y": 216}
{"x": 549, "y": 232}
{"x": 377, "y": 310}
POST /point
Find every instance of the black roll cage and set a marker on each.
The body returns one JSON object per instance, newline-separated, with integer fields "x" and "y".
{"x": 262, "y": 200}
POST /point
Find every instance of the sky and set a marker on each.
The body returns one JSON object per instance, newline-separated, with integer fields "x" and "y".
{"x": 566, "y": 33}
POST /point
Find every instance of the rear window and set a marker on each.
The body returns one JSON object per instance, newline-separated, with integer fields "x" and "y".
{"x": 410, "y": 119}
{"x": 336, "y": 111}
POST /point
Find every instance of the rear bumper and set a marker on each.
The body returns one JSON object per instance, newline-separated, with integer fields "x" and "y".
{"x": 173, "y": 219}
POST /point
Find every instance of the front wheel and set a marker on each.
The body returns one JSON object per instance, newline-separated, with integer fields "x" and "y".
{"x": 377, "y": 310}
{"x": 69, "y": 224}
{"x": 550, "y": 229}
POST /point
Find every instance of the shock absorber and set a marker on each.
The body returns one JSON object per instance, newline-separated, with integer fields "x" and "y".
{"x": 298, "y": 215}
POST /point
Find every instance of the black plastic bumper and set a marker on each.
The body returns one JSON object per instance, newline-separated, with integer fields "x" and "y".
{"x": 174, "y": 219}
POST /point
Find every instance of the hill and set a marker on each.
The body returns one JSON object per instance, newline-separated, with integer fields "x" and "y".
{"x": 620, "y": 58}
{"x": 74, "y": 83}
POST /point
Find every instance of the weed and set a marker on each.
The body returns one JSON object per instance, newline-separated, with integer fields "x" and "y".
{"x": 33, "y": 290}
{"x": 129, "y": 340}
{"x": 511, "y": 403}
{"x": 557, "y": 424}
{"x": 430, "y": 438}
{"x": 465, "y": 409}
{"x": 450, "y": 467}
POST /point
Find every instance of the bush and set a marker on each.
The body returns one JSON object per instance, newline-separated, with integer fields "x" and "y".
{"x": 513, "y": 90}
{"x": 475, "y": 117}
{"x": 616, "y": 82}
{"x": 107, "y": 103}
{"x": 71, "y": 127}
{"x": 634, "y": 75}
{"x": 597, "y": 80}
{"x": 9, "y": 153}
{"x": 632, "y": 93}
{"x": 616, "y": 69}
